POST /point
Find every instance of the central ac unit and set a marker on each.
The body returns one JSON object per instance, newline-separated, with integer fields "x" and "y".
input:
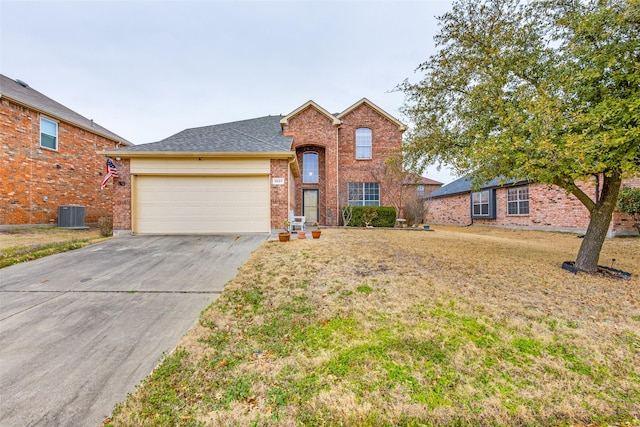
{"x": 71, "y": 216}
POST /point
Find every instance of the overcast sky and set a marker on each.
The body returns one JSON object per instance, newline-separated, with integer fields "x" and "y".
{"x": 149, "y": 69}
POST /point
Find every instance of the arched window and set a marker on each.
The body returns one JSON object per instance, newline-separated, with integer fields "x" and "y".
{"x": 310, "y": 167}
{"x": 363, "y": 143}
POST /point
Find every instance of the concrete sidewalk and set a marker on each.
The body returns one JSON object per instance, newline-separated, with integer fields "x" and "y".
{"x": 79, "y": 330}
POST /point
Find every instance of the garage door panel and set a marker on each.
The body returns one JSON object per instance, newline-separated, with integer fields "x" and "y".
{"x": 179, "y": 205}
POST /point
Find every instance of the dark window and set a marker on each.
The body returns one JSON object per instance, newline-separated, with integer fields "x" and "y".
{"x": 310, "y": 167}
{"x": 364, "y": 194}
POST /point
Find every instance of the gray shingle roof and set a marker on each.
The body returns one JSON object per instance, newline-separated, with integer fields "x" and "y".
{"x": 261, "y": 135}
{"x": 30, "y": 97}
{"x": 465, "y": 185}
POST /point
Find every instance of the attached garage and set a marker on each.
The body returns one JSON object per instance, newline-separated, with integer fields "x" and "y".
{"x": 201, "y": 204}
{"x": 200, "y": 195}
{"x": 228, "y": 178}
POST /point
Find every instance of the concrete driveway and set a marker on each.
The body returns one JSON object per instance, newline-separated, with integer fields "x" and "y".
{"x": 79, "y": 330}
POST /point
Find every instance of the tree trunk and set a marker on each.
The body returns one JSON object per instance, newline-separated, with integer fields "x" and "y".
{"x": 601, "y": 215}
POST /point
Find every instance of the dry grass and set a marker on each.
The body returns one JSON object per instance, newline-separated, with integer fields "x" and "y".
{"x": 26, "y": 244}
{"x": 461, "y": 326}
{"x": 25, "y": 237}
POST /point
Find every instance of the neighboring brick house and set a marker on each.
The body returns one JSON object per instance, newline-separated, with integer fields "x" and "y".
{"x": 49, "y": 158}
{"x": 519, "y": 205}
{"x": 421, "y": 186}
{"x": 246, "y": 176}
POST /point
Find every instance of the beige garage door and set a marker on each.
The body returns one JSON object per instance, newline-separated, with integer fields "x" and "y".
{"x": 186, "y": 205}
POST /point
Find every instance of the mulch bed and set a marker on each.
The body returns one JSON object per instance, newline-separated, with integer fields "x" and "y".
{"x": 603, "y": 271}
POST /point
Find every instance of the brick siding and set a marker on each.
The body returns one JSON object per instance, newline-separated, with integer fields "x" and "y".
{"x": 314, "y": 131}
{"x": 121, "y": 197}
{"x": 29, "y": 174}
{"x": 279, "y": 193}
{"x": 385, "y": 138}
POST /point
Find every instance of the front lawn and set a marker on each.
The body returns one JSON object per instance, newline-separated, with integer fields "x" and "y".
{"x": 459, "y": 326}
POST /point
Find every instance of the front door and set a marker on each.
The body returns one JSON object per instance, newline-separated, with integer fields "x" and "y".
{"x": 310, "y": 205}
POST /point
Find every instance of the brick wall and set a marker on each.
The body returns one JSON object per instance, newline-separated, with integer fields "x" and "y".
{"x": 448, "y": 210}
{"x": 121, "y": 197}
{"x": 279, "y": 193}
{"x": 314, "y": 131}
{"x": 549, "y": 208}
{"x": 385, "y": 138}
{"x": 34, "y": 181}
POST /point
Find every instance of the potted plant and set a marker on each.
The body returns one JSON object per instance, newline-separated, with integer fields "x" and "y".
{"x": 316, "y": 232}
{"x": 285, "y": 235}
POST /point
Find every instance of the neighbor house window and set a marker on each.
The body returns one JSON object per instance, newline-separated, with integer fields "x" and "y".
{"x": 310, "y": 167}
{"x": 420, "y": 190}
{"x": 483, "y": 204}
{"x": 48, "y": 133}
{"x": 363, "y": 143}
{"x": 364, "y": 194}
{"x": 518, "y": 201}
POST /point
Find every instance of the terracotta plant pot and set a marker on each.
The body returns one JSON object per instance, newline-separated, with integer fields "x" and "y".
{"x": 316, "y": 233}
{"x": 302, "y": 235}
{"x": 284, "y": 237}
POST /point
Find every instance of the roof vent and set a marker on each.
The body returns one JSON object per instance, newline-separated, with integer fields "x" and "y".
{"x": 21, "y": 83}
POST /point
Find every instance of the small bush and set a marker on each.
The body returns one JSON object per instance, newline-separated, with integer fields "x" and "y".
{"x": 414, "y": 212}
{"x": 386, "y": 216}
{"x": 629, "y": 203}
{"x": 105, "y": 224}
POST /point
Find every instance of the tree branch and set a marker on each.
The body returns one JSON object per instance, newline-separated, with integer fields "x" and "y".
{"x": 572, "y": 188}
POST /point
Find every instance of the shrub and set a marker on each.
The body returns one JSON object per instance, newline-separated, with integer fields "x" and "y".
{"x": 369, "y": 213}
{"x": 105, "y": 224}
{"x": 414, "y": 212}
{"x": 386, "y": 216}
{"x": 629, "y": 203}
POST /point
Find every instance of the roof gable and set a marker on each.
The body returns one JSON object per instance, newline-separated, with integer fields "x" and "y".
{"x": 20, "y": 93}
{"x": 334, "y": 120}
{"x": 401, "y": 126}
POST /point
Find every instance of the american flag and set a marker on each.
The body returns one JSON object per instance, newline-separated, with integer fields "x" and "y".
{"x": 112, "y": 172}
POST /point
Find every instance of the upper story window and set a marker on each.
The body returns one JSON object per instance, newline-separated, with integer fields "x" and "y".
{"x": 483, "y": 204}
{"x": 363, "y": 143}
{"x": 48, "y": 133}
{"x": 364, "y": 194}
{"x": 518, "y": 201}
{"x": 420, "y": 190}
{"x": 310, "y": 167}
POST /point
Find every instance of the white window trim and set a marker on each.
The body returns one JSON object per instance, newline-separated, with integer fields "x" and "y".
{"x": 369, "y": 144}
{"x": 517, "y": 201}
{"x": 363, "y": 200}
{"x": 55, "y": 136}
{"x": 317, "y": 170}
{"x": 490, "y": 203}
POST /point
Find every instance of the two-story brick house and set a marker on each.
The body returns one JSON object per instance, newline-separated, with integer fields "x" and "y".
{"x": 48, "y": 158}
{"x": 246, "y": 176}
